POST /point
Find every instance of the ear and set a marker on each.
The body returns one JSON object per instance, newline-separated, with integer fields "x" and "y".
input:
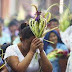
{"x": 21, "y": 39}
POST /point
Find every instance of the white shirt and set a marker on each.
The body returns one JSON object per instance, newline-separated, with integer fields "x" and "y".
{"x": 14, "y": 51}
{"x": 66, "y": 37}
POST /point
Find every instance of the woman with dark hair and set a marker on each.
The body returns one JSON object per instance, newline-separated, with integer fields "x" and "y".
{"x": 23, "y": 57}
{"x": 47, "y": 38}
{"x": 58, "y": 44}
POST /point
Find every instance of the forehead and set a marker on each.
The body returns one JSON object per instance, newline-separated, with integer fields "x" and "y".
{"x": 52, "y": 34}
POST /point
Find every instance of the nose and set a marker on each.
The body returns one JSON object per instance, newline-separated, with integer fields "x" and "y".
{"x": 53, "y": 38}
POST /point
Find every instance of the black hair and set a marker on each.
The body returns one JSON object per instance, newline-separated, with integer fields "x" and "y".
{"x": 26, "y": 33}
{"x": 12, "y": 23}
{"x": 22, "y": 26}
{"x": 54, "y": 20}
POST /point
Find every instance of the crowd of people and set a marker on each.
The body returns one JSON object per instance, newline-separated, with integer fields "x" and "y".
{"x": 21, "y": 47}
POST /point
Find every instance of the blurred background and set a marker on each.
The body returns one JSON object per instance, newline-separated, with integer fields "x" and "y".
{"x": 12, "y": 8}
{"x": 15, "y": 12}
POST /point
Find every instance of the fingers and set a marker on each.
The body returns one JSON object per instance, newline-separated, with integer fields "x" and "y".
{"x": 36, "y": 40}
{"x": 40, "y": 45}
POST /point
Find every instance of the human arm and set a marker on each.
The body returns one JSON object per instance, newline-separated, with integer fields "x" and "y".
{"x": 18, "y": 66}
{"x": 44, "y": 62}
{"x": 22, "y": 66}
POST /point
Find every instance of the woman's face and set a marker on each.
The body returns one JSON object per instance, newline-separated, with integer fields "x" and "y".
{"x": 53, "y": 37}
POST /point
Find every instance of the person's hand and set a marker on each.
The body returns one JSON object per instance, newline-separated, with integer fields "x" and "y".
{"x": 34, "y": 44}
{"x": 40, "y": 46}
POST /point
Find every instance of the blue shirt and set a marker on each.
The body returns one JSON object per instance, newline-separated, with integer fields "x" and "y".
{"x": 55, "y": 62}
{"x": 5, "y": 38}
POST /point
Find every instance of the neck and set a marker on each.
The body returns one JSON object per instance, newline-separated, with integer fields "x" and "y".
{"x": 24, "y": 52}
{"x": 22, "y": 49}
{"x": 54, "y": 46}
